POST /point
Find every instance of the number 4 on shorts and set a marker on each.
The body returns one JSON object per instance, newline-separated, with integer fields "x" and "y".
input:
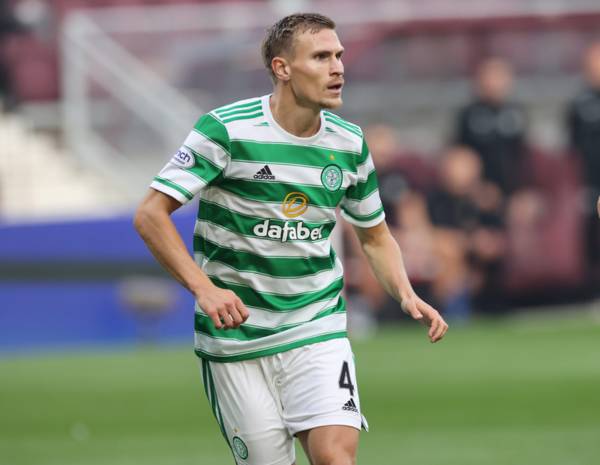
{"x": 345, "y": 380}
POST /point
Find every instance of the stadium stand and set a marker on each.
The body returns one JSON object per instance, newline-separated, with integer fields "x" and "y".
{"x": 40, "y": 180}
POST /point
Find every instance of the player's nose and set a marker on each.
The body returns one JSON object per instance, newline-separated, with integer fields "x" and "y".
{"x": 337, "y": 67}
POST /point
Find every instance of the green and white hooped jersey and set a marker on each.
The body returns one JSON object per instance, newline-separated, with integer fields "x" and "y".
{"x": 267, "y": 208}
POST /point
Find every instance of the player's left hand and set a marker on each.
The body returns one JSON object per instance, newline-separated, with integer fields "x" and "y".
{"x": 421, "y": 311}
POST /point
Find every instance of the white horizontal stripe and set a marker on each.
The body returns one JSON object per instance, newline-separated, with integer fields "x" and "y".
{"x": 341, "y": 140}
{"x": 182, "y": 199}
{"x": 363, "y": 224}
{"x": 365, "y": 206}
{"x": 247, "y": 121}
{"x": 264, "y": 209}
{"x": 266, "y": 283}
{"x": 182, "y": 178}
{"x": 207, "y": 148}
{"x": 365, "y": 168}
{"x": 261, "y": 246}
{"x": 283, "y": 173}
{"x": 270, "y": 319}
{"x": 220, "y": 346}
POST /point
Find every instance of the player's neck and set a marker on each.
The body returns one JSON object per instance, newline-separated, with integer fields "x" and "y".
{"x": 301, "y": 121}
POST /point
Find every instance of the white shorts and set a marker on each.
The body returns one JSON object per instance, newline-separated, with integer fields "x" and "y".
{"x": 260, "y": 404}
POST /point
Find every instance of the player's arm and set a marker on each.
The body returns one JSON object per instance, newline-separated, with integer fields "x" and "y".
{"x": 385, "y": 258}
{"x": 153, "y": 223}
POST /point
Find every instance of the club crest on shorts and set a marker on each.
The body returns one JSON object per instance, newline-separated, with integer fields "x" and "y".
{"x": 331, "y": 177}
{"x": 184, "y": 158}
{"x": 240, "y": 448}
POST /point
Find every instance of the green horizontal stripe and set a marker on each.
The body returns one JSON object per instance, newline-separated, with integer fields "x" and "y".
{"x": 368, "y": 217}
{"x": 177, "y": 187}
{"x": 363, "y": 189}
{"x": 276, "y": 191}
{"x": 280, "y": 267}
{"x": 270, "y": 350}
{"x": 342, "y": 125}
{"x": 244, "y": 224}
{"x": 240, "y": 111}
{"x": 213, "y": 130}
{"x": 280, "y": 302}
{"x": 204, "y": 325}
{"x": 289, "y": 154}
{"x": 240, "y": 117}
{"x": 227, "y": 108}
{"x": 204, "y": 168}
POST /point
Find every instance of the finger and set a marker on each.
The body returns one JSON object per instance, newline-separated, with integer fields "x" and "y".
{"x": 235, "y": 315}
{"x": 441, "y": 330}
{"x": 242, "y": 309}
{"x": 226, "y": 317}
{"x": 216, "y": 319}
{"x": 433, "y": 329}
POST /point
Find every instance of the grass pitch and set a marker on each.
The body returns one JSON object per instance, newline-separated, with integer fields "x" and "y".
{"x": 507, "y": 393}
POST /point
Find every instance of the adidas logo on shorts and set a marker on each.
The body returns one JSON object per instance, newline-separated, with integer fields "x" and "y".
{"x": 350, "y": 406}
{"x": 264, "y": 173}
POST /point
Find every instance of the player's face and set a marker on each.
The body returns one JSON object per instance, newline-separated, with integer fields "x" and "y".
{"x": 316, "y": 69}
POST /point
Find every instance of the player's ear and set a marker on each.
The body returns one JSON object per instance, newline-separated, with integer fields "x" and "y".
{"x": 281, "y": 68}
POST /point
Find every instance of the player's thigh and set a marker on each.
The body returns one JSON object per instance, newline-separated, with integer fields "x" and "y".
{"x": 330, "y": 445}
{"x": 247, "y": 413}
{"x": 319, "y": 387}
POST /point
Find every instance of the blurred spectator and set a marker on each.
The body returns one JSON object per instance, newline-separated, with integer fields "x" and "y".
{"x": 583, "y": 120}
{"x": 385, "y": 149}
{"x": 36, "y": 16}
{"x": 494, "y": 127}
{"x": 465, "y": 211}
{"x": 8, "y": 25}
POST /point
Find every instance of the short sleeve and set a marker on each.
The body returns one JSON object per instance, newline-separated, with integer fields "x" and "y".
{"x": 361, "y": 206}
{"x": 199, "y": 162}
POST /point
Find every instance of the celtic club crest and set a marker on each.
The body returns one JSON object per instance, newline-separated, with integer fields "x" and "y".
{"x": 332, "y": 177}
{"x": 240, "y": 448}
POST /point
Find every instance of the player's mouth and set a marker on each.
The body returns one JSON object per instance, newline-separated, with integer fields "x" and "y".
{"x": 336, "y": 87}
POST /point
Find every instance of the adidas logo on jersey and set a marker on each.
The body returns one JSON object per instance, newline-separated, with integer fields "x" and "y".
{"x": 264, "y": 173}
{"x": 350, "y": 406}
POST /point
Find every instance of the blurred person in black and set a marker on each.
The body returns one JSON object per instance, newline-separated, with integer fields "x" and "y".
{"x": 8, "y": 25}
{"x": 583, "y": 124}
{"x": 465, "y": 212}
{"x": 494, "y": 126}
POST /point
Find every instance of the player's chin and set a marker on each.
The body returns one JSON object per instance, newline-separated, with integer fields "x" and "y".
{"x": 331, "y": 103}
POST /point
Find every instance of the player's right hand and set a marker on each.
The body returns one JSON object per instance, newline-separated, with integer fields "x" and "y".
{"x": 223, "y": 307}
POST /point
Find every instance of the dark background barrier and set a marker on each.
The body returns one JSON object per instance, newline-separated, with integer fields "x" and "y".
{"x": 91, "y": 282}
